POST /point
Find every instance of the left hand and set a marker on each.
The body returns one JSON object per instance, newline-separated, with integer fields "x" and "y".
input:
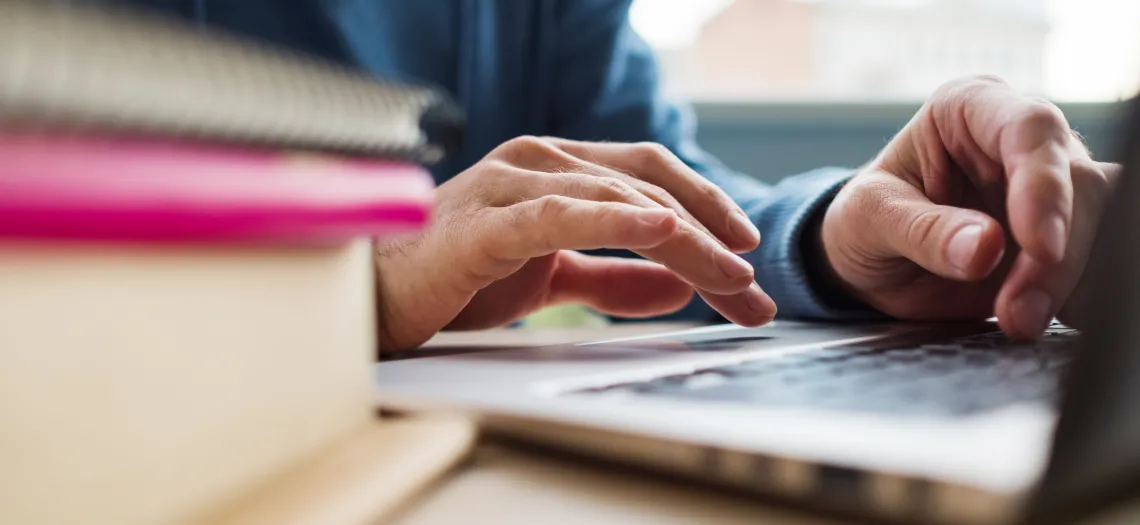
{"x": 504, "y": 237}
{"x": 985, "y": 204}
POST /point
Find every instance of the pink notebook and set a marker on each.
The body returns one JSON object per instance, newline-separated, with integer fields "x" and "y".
{"x": 149, "y": 190}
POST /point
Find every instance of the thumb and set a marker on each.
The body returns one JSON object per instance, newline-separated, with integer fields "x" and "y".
{"x": 955, "y": 243}
{"x": 617, "y": 285}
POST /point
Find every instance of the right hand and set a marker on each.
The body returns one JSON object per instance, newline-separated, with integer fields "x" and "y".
{"x": 501, "y": 245}
{"x": 985, "y": 204}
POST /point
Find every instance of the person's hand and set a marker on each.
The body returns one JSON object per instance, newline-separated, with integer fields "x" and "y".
{"x": 985, "y": 204}
{"x": 501, "y": 243}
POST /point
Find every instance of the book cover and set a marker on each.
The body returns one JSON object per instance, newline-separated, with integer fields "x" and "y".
{"x": 120, "y": 188}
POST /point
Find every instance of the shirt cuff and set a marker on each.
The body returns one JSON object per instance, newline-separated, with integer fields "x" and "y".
{"x": 783, "y": 220}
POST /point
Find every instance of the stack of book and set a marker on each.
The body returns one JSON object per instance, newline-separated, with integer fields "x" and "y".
{"x": 186, "y": 275}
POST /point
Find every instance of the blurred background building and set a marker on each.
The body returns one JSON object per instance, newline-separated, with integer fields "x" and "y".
{"x": 891, "y": 50}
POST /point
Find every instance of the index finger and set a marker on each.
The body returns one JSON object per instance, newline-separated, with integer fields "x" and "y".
{"x": 655, "y": 164}
{"x": 1030, "y": 139}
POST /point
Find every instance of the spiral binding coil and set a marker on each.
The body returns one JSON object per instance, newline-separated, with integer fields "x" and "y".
{"x": 110, "y": 68}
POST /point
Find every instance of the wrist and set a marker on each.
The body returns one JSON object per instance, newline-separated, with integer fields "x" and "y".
{"x": 395, "y": 331}
{"x": 386, "y": 341}
{"x": 821, "y": 273}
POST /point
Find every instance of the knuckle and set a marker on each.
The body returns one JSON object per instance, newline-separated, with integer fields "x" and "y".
{"x": 536, "y": 219}
{"x": 613, "y": 189}
{"x": 1041, "y": 124}
{"x": 1044, "y": 115}
{"x": 970, "y": 84}
{"x": 1037, "y": 99}
{"x": 549, "y": 209}
{"x": 492, "y": 180}
{"x": 711, "y": 250}
{"x": 1084, "y": 168}
{"x": 612, "y": 227}
{"x": 958, "y": 92}
{"x": 654, "y": 149}
{"x": 469, "y": 239}
{"x": 481, "y": 182}
{"x": 711, "y": 192}
{"x": 524, "y": 147}
{"x": 883, "y": 206}
{"x": 922, "y": 228}
{"x": 652, "y": 155}
{"x": 525, "y": 142}
{"x": 603, "y": 221}
{"x": 987, "y": 79}
{"x": 659, "y": 195}
{"x": 1086, "y": 172}
{"x": 868, "y": 197}
{"x": 495, "y": 167}
{"x": 521, "y": 217}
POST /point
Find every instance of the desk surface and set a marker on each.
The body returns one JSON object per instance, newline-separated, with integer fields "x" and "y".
{"x": 505, "y": 485}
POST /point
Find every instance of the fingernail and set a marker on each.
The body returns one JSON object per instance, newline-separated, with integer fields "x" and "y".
{"x": 1054, "y": 236}
{"x": 1032, "y": 312}
{"x": 654, "y": 217}
{"x": 760, "y": 303}
{"x": 742, "y": 227}
{"x": 733, "y": 267}
{"x": 964, "y": 246}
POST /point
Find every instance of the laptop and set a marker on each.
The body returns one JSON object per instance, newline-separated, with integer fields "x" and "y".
{"x": 933, "y": 423}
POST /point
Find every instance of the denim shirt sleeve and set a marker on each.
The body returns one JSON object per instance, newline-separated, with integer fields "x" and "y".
{"x": 608, "y": 89}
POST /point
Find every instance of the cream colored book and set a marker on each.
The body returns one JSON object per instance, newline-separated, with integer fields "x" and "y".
{"x": 165, "y": 385}
{"x": 145, "y": 385}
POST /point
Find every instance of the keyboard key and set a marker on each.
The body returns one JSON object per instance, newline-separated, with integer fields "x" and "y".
{"x": 952, "y": 378}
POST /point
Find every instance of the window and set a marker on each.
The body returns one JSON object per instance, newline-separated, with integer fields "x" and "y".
{"x": 891, "y": 50}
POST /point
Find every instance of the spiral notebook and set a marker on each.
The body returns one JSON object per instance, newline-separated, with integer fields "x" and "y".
{"x": 97, "y": 66}
{"x": 119, "y": 124}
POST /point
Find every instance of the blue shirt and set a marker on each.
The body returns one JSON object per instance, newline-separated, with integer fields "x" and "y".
{"x": 567, "y": 68}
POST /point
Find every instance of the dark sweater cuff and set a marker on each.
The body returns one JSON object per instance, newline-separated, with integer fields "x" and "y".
{"x": 781, "y": 271}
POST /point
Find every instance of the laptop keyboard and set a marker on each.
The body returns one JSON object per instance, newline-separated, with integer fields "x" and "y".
{"x": 956, "y": 377}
